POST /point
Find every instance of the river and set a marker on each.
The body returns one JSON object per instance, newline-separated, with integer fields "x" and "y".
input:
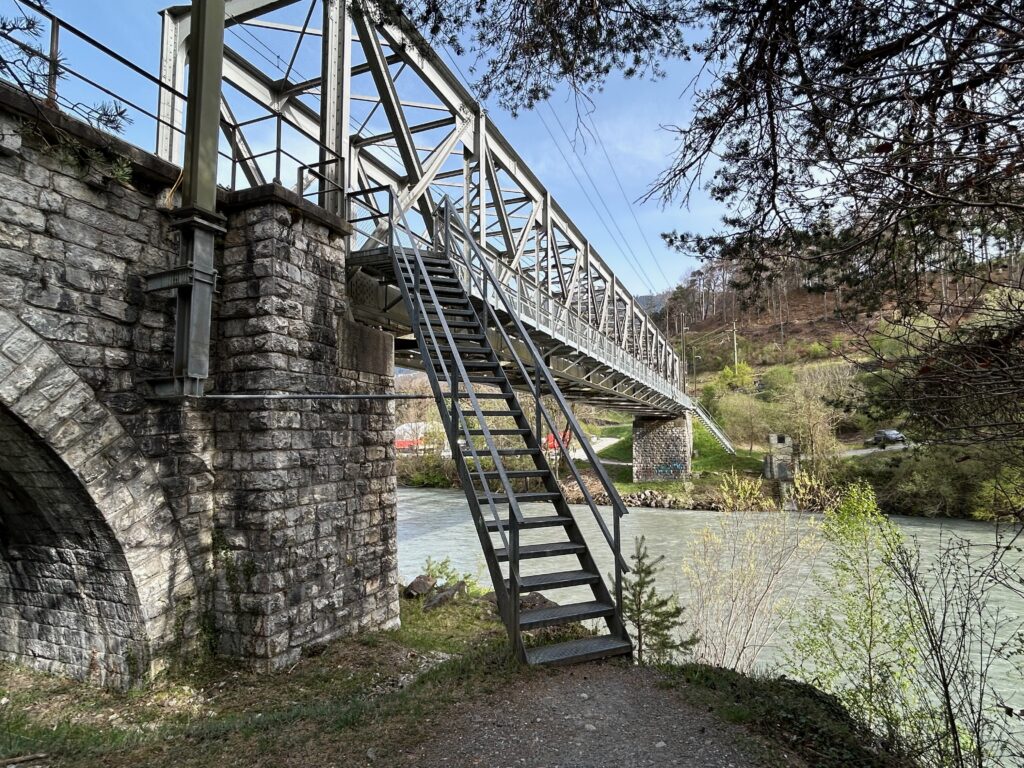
{"x": 437, "y": 523}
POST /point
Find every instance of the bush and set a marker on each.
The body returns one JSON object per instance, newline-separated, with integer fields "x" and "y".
{"x": 740, "y": 570}
{"x": 1000, "y": 497}
{"x": 740, "y": 377}
{"x": 777, "y": 380}
{"x": 941, "y": 481}
{"x": 854, "y": 641}
{"x": 709, "y": 397}
{"x": 426, "y": 471}
{"x": 445, "y": 574}
{"x": 816, "y": 351}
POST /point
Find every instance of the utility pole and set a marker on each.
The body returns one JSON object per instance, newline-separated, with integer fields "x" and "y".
{"x": 685, "y": 329}
{"x": 693, "y": 354}
{"x": 735, "y": 351}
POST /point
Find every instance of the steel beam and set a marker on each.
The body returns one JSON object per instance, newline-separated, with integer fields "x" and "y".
{"x": 532, "y": 246}
{"x": 196, "y": 219}
{"x": 335, "y": 106}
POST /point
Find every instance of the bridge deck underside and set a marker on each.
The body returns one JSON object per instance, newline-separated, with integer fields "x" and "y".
{"x": 581, "y": 376}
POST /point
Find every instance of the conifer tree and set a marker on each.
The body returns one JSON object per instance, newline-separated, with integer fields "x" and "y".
{"x": 656, "y": 619}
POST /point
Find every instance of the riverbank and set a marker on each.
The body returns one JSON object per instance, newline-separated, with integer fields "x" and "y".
{"x": 418, "y": 696}
{"x": 711, "y": 464}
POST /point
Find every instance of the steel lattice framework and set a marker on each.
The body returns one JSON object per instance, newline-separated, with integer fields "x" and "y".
{"x": 383, "y": 110}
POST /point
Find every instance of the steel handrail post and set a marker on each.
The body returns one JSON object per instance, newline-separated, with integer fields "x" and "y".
{"x": 234, "y": 160}
{"x": 53, "y": 63}
{"x": 277, "y": 155}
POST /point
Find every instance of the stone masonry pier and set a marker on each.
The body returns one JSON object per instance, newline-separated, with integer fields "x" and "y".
{"x": 134, "y": 530}
{"x": 662, "y": 448}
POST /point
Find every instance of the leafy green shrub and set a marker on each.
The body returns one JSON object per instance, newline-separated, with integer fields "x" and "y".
{"x": 1000, "y": 497}
{"x": 792, "y": 351}
{"x": 816, "y": 351}
{"x": 446, "y": 575}
{"x": 854, "y": 641}
{"x": 710, "y": 394}
{"x": 777, "y": 380}
{"x": 740, "y": 377}
{"x": 427, "y": 470}
{"x": 769, "y": 354}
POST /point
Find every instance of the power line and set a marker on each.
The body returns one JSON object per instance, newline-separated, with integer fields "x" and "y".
{"x": 625, "y": 197}
{"x": 635, "y": 265}
{"x": 583, "y": 189}
{"x": 627, "y": 249}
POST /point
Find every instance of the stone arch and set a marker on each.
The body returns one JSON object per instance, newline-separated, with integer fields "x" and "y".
{"x": 94, "y": 577}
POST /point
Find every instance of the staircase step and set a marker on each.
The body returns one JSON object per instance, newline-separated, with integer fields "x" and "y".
{"x": 510, "y": 451}
{"x": 564, "y": 614}
{"x": 432, "y": 311}
{"x": 556, "y": 580}
{"x": 499, "y": 431}
{"x": 583, "y": 649}
{"x": 527, "y": 497}
{"x": 442, "y": 274}
{"x": 482, "y": 396}
{"x": 478, "y": 365}
{"x": 443, "y": 290}
{"x": 465, "y": 349}
{"x": 435, "y": 260}
{"x": 545, "y": 521}
{"x": 454, "y": 324}
{"x": 513, "y": 473}
{"x": 487, "y": 379}
{"x": 479, "y": 338}
{"x": 435, "y": 276}
{"x": 543, "y": 550}
{"x": 497, "y": 414}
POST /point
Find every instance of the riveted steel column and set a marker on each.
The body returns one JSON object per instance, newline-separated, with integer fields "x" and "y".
{"x": 197, "y": 219}
{"x": 334, "y": 106}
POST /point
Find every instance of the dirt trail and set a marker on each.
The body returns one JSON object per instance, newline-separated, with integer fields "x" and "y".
{"x": 586, "y": 716}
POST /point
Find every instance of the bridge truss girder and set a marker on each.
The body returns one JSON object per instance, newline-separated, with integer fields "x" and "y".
{"x": 384, "y": 110}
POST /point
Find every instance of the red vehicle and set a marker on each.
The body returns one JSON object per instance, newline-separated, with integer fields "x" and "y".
{"x": 550, "y": 444}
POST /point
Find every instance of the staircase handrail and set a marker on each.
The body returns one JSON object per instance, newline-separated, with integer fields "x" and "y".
{"x": 618, "y": 508}
{"x": 397, "y": 221}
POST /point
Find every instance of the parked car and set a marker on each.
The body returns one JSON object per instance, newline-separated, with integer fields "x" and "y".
{"x": 884, "y": 437}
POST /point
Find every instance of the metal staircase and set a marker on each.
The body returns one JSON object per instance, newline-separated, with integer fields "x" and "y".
{"x": 458, "y": 312}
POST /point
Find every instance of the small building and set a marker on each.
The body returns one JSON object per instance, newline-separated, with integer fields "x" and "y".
{"x": 782, "y": 461}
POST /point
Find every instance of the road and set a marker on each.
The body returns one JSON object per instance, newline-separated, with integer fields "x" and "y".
{"x": 598, "y": 443}
{"x": 866, "y": 451}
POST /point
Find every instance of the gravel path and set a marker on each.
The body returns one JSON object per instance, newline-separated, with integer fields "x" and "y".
{"x": 587, "y": 716}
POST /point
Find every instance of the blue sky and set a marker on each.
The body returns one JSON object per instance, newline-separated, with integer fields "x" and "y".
{"x": 628, "y": 115}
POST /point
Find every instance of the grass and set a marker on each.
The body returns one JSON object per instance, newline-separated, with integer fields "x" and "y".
{"x": 382, "y": 694}
{"x": 620, "y": 451}
{"x": 794, "y": 717}
{"x": 369, "y": 690}
{"x": 620, "y": 431}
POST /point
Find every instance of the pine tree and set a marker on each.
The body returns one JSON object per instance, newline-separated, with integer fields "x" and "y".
{"x": 656, "y": 619}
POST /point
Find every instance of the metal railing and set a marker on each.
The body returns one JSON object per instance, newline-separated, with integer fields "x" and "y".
{"x": 41, "y": 73}
{"x": 484, "y": 283}
{"x": 411, "y": 258}
{"x": 561, "y": 321}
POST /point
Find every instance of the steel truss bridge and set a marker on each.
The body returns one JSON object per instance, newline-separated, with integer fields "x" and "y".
{"x": 328, "y": 99}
